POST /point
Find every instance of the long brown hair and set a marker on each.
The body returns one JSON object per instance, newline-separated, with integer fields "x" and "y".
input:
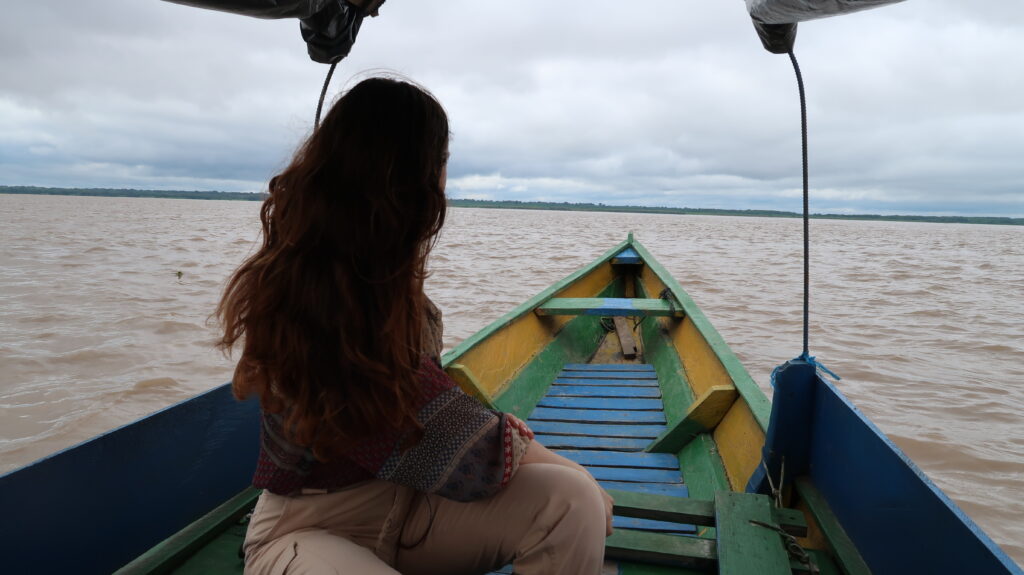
{"x": 331, "y": 307}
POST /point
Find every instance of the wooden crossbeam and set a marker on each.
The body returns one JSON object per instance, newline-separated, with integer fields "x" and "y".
{"x": 623, "y": 404}
{"x": 686, "y": 552}
{"x": 695, "y": 511}
{"x": 608, "y": 367}
{"x": 610, "y": 307}
{"x": 625, "y": 379}
{"x": 599, "y": 416}
{"x": 588, "y": 442}
{"x": 595, "y": 429}
{"x": 469, "y": 383}
{"x": 741, "y": 546}
{"x": 621, "y": 459}
{"x": 702, "y": 416}
{"x": 568, "y": 390}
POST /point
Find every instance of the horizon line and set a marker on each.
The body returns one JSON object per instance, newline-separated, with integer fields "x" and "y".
{"x": 524, "y": 204}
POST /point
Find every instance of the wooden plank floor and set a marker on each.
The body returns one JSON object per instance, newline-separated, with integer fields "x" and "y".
{"x": 602, "y": 416}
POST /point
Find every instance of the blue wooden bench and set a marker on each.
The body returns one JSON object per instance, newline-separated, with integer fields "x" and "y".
{"x": 610, "y": 307}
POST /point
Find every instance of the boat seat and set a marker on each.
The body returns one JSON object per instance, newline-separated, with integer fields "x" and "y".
{"x": 610, "y": 307}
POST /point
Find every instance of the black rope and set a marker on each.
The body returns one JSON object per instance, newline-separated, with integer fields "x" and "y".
{"x": 323, "y": 92}
{"x": 807, "y": 226}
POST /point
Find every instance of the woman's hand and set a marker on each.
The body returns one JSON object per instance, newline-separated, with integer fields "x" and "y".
{"x": 524, "y": 430}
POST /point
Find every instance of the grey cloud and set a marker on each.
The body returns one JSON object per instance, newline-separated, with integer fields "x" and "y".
{"x": 914, "y": 106}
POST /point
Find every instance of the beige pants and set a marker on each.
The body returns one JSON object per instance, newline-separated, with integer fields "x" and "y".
{"x": 549, "y": 520}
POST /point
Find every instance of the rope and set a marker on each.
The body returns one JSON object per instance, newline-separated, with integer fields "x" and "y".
{"x": 820, "y": 367}
{"x": 807, "y": 226}
{"x": 792, "y": 546}
{"x": 666, "y": 294}
{"x": 323, "y": 93}
{"x": 608, "y": 324}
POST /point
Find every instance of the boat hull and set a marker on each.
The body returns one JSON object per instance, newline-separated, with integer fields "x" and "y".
{"x": 654, "y": 403}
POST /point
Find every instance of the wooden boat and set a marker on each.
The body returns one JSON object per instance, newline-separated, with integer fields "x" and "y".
{"x": 615, "y": 367}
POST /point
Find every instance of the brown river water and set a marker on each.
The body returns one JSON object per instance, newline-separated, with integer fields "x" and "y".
{"x": 924, "y": 322}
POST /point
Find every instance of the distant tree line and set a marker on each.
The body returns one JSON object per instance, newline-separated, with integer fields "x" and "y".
{"x": 117, "y": 193}
{"x": 590, "y": 207}
{"x": 517, "y": 205}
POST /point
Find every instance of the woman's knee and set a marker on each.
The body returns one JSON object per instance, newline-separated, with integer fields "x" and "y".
{"x": 567, "y": 491}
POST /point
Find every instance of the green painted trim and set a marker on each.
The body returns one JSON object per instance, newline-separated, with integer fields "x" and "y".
{"x": 636, "y": 307}
{"x": 792, "y": 520}
{"x": 748, "y": 389}
{"x": 703, "y": 471}
{"x": 676, "y": 394}
{"x": 744, "y": 547}
{"x": 694, "y": 511}
{"x": 575, "y": 343}
{"x": 176, "y": 549}
{"x": 528, "y": 306}
{"x": 653, "y": 547}
{"x": 647, "y": 569}
{"x": 825, "y": 564}
{"x": 220, "y": 556}
{"x": 676, "y": 437}
{"x": 843, "y": 549}
{"x": 663, "y": 507}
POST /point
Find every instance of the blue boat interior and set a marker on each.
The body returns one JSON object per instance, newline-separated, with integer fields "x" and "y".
{"x": 602, "y": 416}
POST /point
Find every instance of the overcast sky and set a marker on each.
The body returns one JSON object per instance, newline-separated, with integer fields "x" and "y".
{"x": 917, "y": 107}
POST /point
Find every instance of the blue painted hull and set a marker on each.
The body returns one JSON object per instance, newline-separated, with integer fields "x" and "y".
{"x": 899, "y": 521}
{"x": 94, "y": 507}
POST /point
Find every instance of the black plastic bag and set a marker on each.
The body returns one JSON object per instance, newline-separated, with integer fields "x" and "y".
{"x": 329, "y": 27}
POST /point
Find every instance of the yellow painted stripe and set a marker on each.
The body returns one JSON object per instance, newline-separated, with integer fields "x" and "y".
{"x": 589, "y": 285}
{"x": 703, "y": 368}
{"x": 463, "y": 376}
{"x": 739, "y": 439}
{"x": 651, "y": 283}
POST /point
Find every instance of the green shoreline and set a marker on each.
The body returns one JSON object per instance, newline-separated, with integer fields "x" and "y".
{"x": 517, "y": 205}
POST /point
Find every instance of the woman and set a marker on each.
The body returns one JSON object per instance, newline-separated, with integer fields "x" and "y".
{"x": 372, "y": 460}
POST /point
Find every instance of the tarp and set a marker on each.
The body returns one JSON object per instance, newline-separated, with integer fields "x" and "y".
{"x": 262, "y": 8}
{"x": 793, "y": 11}
{"x": 329, "y": 27}
{"x": 776, "y": 20}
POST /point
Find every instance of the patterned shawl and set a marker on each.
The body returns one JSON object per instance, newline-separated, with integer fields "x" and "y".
{"x": 467, "y": 451}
